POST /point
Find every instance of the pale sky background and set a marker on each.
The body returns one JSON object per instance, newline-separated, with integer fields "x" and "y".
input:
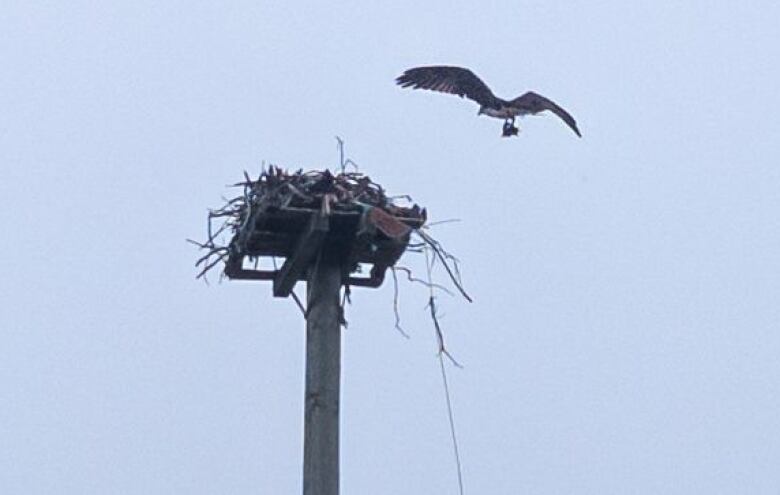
{"x": 624, "y": 337}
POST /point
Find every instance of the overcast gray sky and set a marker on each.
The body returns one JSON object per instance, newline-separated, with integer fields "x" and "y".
{"x": 624, "y": 335}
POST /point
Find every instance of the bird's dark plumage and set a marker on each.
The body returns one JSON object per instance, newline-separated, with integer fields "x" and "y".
{"x": 463, "y": 82}
{"x": 455, "y": 80}
{"x": 535, "y": 103}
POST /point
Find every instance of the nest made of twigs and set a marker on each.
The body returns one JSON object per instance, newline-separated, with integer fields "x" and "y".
{"x": 276, "y": 189}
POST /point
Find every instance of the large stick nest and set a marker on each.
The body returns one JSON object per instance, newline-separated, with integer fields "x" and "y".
{"x": 347, "y": 191}
{"x": 276, "y": 189}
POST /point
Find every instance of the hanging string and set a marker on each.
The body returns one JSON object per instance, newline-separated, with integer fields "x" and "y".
{"x": 442, "y": 352}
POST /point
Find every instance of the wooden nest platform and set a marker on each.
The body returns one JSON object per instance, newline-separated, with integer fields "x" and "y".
{"x": 302, "y": 216}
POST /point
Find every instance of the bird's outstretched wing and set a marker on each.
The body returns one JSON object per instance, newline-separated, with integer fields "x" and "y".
{"x": 535, "y": 103}
{"x": 447, "y": 79}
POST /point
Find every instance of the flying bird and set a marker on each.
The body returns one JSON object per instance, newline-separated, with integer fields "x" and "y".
{"x": 463, "y": 82}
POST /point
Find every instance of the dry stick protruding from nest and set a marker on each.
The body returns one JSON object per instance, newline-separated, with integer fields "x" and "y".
{"x": 454, "y": 273}
{"x": 441, "y": 252}
{"x": 441, "y": 222}
{"x": 209, "y": 265}
{"x": 342, "y": 162}
{"x": 443, "y": 256}
{"x": 432, "y": 306}
{"x": 221, "y": 254}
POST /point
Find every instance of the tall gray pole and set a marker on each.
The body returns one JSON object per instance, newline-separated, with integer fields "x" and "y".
{"x": 323, "y": 373}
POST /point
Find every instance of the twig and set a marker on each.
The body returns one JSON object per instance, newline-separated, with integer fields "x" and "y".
{"x": 401, "y": 196}
{"x": 434, "y": 246}
{"x": 395, "y": 305}
{"x": 411, "y": 278}
{"x": 213, "y": 252}
{"x": 439, "y": 335}
{"x": 440, "y": 222}
{"x": 443, "y": 352}
{"x": 202, "y": 246}
{"x": 209, "y": 266}
{"x": 342, "y": 162}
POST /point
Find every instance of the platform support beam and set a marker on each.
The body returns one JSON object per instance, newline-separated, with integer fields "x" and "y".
{"x": 307, "y": 246}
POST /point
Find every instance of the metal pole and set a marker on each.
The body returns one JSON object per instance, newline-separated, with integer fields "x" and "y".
{"x": 323, "y": 373}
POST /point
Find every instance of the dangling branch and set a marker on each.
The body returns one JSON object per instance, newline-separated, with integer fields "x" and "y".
{"x": 412, "y": 278}
{"x": 395, "y": 304}
{"x": 443, "y": 352}
{"x": 443, "y": 256}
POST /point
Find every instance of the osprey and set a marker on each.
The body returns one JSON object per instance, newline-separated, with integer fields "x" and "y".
{"x": 463, "y": 82}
